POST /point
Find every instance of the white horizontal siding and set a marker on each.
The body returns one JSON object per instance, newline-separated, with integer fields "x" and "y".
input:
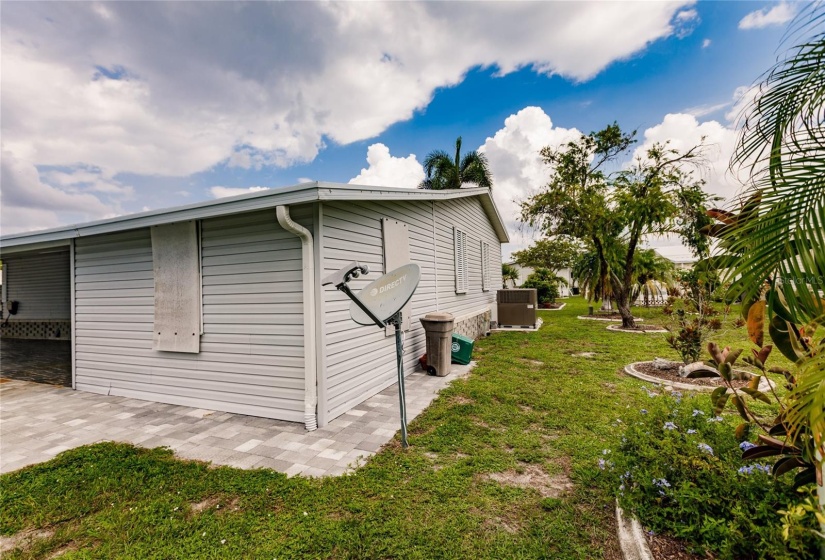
{"x": 40, "y": 282}
{"x": 468, "y": 216}
{"x": 252, "y": 356}
{"x": 359, "y": 360}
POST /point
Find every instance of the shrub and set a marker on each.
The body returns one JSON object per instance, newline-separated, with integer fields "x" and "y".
{"x": 679, "y": 470}
{"x": 687, "y": 335}
{"x": 546, "y": 284}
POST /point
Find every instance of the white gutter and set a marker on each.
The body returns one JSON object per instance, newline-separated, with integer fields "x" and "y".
{"x": 308, "y": 279}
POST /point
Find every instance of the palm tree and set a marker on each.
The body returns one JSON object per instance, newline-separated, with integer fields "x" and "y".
{"x": 509, "y": 273}
{"x": 444, "y": 172}
{"x": 592, "y": 273}
{"x": 782, "y": 144}
{"x": 651, "y": 272}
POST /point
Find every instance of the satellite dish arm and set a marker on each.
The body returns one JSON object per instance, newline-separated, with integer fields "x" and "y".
{"x": 344, "y": 288}
{"x": 350, "y": 271}
{"x": 340, "y": 278}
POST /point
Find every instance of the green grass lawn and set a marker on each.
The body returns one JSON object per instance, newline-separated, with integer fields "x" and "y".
{"x": 528, "y": 408}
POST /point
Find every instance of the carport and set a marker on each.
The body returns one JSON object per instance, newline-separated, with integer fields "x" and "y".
{"x": 36, "y": 331}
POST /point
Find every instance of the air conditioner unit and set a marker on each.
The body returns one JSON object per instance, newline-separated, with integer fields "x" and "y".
{"x": 517, "y": 307}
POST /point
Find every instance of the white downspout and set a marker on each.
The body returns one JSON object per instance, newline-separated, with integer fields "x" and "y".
{"x": 308, "y": 279}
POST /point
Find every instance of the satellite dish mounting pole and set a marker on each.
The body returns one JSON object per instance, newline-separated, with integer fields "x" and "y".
{"x": 399, "y": 355}
{"x": 382, "y": 302}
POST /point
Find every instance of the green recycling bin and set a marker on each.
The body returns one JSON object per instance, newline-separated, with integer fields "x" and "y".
{"x": 462, "y": 349}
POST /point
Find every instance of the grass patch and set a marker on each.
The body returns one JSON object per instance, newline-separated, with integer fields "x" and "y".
{"x": 502, "y": 465}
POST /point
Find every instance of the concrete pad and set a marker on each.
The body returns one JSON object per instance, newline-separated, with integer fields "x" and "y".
{"x": 39, "y": 421}
{"x": 539, "y": 323}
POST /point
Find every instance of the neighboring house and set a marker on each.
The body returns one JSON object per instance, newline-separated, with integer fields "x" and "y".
{"x": 678, "y": 255}
{"x": 219, "y": 305}
{"x": 525, "y": 271}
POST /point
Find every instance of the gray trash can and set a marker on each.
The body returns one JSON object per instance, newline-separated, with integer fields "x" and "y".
{"x": 439, "y": 329}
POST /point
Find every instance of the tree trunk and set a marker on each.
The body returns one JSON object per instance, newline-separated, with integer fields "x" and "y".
{"x": 623, "y": 304}
{"x": 604, "y": 275}
{"x": 623, "y": 287}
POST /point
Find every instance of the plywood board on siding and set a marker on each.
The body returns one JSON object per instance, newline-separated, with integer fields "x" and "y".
{"x": 176, "y": 267}
{"x": 396, "y": 253}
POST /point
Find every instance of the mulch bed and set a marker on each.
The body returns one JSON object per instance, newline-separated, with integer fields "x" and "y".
{"x": 664, "y": 547}
{"x": 672, "y": 374}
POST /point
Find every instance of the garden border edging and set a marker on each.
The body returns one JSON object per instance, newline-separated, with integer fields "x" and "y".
{"x": 618, "y": 328}
{"x": 633, "y": 372}
{"x": 631, "y": 537}
{"x": 596, "y": 318}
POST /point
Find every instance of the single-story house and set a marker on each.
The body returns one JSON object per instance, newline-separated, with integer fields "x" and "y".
{"x": 679, "y": 255}
{"x": 219, "y": 305}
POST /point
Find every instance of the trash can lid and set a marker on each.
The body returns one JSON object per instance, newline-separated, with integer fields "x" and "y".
{"x": 439, "y": 316}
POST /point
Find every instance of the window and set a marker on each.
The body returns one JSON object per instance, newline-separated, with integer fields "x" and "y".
{"x": 461, "y": 273}
{"x": 485, "y": 267}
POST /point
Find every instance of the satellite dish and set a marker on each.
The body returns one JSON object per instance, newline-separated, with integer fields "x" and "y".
{"x": 387, "y": 295}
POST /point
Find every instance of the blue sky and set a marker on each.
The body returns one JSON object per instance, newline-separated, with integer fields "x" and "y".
{"x": 114, "y": 108}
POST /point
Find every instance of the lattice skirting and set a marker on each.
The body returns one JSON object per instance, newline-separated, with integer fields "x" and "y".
{"x": 37, "y": 330}
{"x": 473, "y": 326}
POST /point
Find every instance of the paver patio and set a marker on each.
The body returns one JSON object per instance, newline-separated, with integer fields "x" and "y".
{"x": 44, "y": 361}
{"x": 38, "y": 421}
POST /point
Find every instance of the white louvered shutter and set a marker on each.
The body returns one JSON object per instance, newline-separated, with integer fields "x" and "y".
{"x": 460, "y": 245}
{"x": 485, "y": 266}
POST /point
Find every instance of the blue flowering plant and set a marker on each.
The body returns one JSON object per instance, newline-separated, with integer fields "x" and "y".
{"x": 793, "y": 450}
{"x": 679, "y": 469}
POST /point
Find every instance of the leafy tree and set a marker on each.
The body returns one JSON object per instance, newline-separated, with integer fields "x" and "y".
{"x": 782, "y": 243}
{"x": 554, "y": 254}
{"x": 546, "y": 284}
{"x": 658, "y": 194}
{"x": 575, "y": 201}
{"x": 446, "y": 172}
{"x": 508, "y": 273}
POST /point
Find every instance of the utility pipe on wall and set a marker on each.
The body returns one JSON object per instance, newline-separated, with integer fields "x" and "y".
{"x": 308, "y": 288}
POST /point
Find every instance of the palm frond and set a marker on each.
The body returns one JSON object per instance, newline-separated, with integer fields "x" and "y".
{"x": 783, "y": 146}
{"x": 808, "y": 397}
{"x": 444, "y": 171}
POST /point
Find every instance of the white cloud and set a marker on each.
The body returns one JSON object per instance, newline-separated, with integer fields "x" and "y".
{"x": 222, "y": 192}
{"x": 685, "y": 21}
{"x": 92, "y": 180}
{"x": 706, "y": 43}
{"x": 28, "y": 203}
{"x": 385, "y": 170}
{"x": 743, "y": 99}
{"x": 776, "y": 15}
{"x": 685, "y": 131}
{"x": 155, "y": 89}
{"x": 518, "y": 171}
{"x": 703, "y": 110}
